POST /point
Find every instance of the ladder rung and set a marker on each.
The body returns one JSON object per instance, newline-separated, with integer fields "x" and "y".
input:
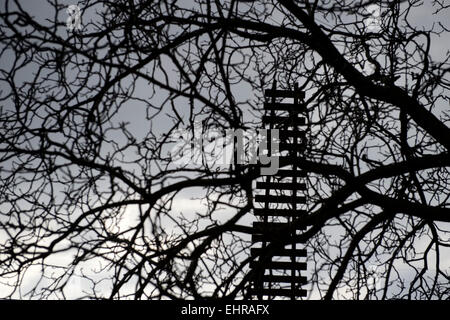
{"x": 270, "y": 237}
{"x": 280, "y": 198}
{"x": 264, "y": 227}
{"x": 291, "y": 146}
{"x": 285, "y": 134}
{"x": 279, "y": 292}
{"x": 281, "y": 252}
{"x": 278, "y": 265}
{"x": 280, "y": 120}
{"x": 267, "y": 238}
{"x": 279, "y": 212}
{"x": 290, "y": 173}
{"x": 274, "y": 93}
{"x": 281, "y": 185}
{"x": 283, "y": 279}
{"x": 289, "y": 159}
{"x": 294, "y": 107}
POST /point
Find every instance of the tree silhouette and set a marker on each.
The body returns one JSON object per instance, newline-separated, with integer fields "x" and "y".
{"x": 93, "y": 205}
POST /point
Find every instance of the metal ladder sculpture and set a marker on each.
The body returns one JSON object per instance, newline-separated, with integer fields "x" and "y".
{"x": 278, "y": 270}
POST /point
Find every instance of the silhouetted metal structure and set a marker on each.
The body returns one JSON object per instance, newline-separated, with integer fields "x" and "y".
{"x": 278, "y": 271}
